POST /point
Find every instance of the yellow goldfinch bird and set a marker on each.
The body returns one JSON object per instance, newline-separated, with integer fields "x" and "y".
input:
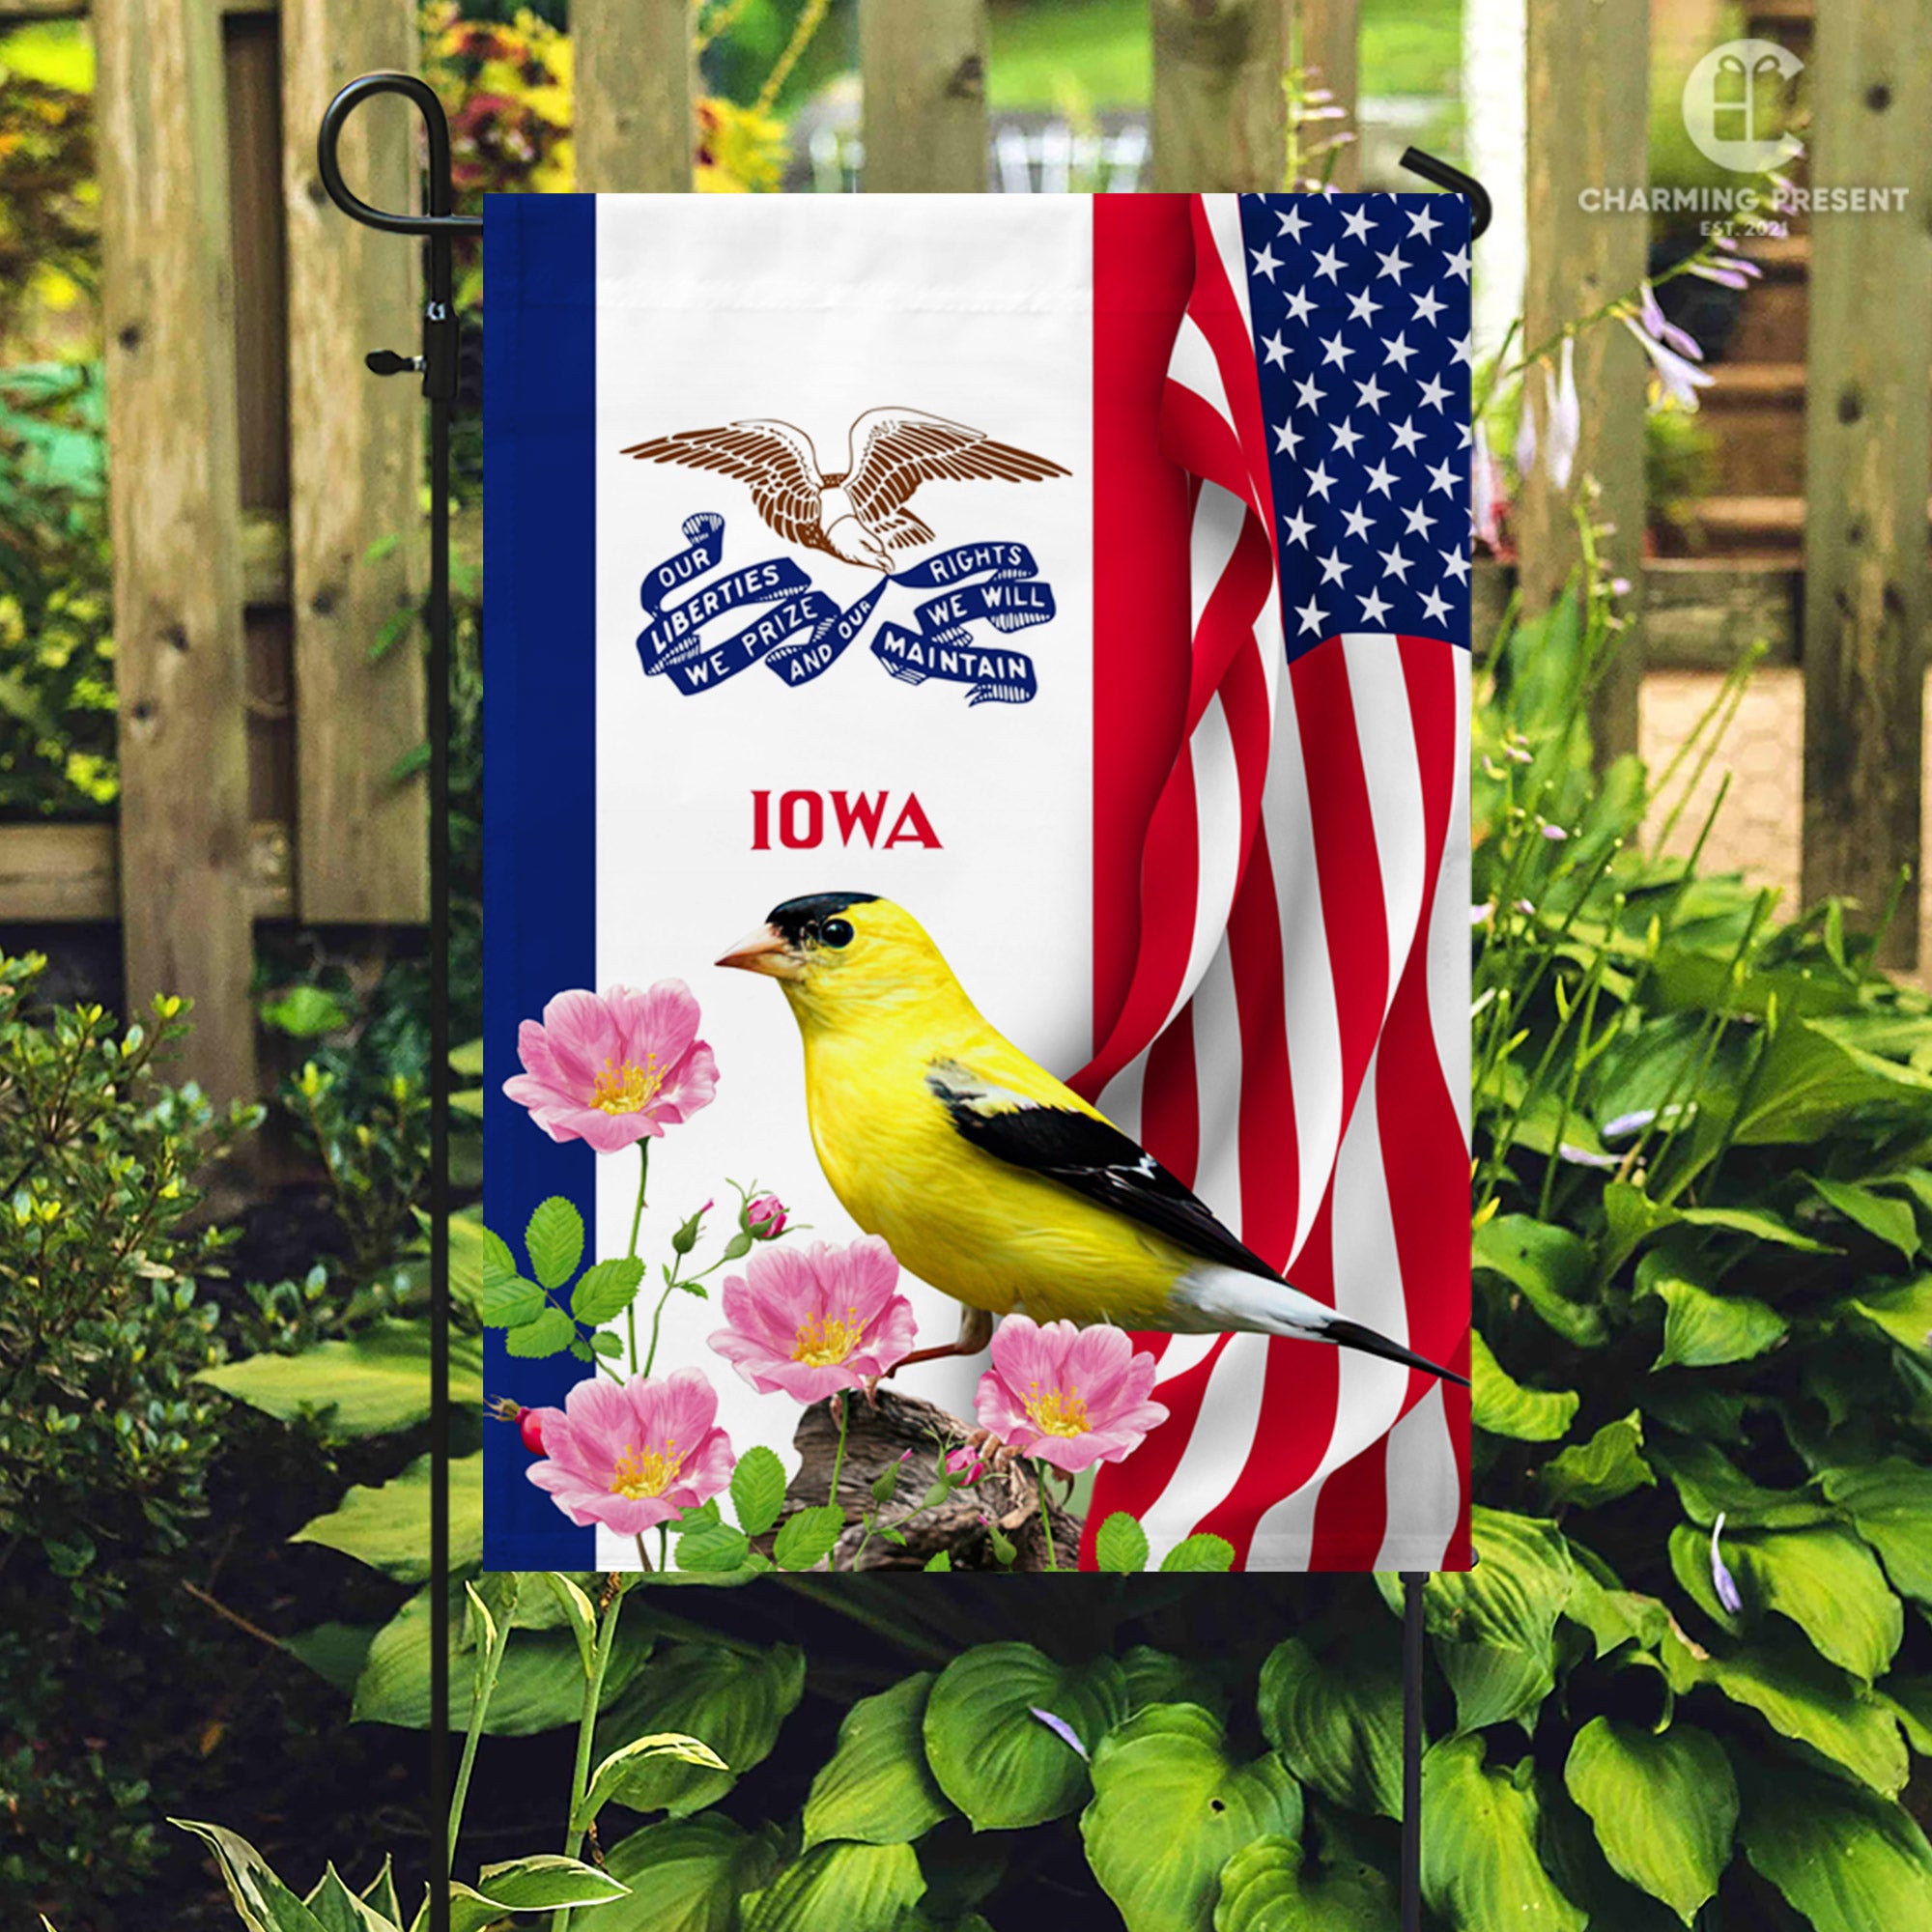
{"x": 989, "y": 1179}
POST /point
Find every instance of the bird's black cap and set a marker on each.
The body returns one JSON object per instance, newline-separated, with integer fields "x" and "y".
{"x": 799, "y": 919}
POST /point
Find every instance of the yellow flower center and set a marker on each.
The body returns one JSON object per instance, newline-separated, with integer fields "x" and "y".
{"x": 627, "y": 1089}
{"x": 644, "y": 1473}
{"x": 1057, "y": 1412}
{"x": 823, "y": 1341}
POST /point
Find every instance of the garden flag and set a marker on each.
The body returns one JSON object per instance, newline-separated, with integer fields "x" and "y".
{"x": 1033, "y": 633}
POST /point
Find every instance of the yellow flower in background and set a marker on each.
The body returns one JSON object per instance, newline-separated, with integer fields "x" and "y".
{"x": 740, "y": 149}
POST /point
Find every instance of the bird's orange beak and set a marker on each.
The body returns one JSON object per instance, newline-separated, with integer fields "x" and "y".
{"x": 766, "y": 951}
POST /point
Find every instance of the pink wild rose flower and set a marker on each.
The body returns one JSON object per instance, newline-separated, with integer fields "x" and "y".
{"x": 612, "y": 1067}
{"x": 633, "y": 1454}
{"x": 765, "y": 1217}
{"x": 812, "y": 1321}
{"x": 1072, "y": 1397}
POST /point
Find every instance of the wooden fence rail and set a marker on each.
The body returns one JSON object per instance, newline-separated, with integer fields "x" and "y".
{"x": 258, "y": 475}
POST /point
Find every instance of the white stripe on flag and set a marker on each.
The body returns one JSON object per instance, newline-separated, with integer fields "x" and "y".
{"x": 1425, "y": 1490}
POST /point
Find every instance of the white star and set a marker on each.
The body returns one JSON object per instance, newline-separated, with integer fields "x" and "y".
{"x": 1374, "y": 608}
{"x": 1392, "y": 264}
{"x": 1328, "y": 263}
{"x": 1277, "y": 351}
{"x": 1312, "y": 618}
{"x": 1298, "y": 528}
{"x": 1357, "y": 224}
{"x": 1434, "y": 606}
{"x": 1427, "y": 305}
{"x": 1265, "y": 261}
{"x": 1407, "y": 437}
{"x": 1319, "y": 481}
{"x": 1298, "y": 305}
{"x": 1463, "y": 352}
{"x": 1397, "y": 351}
{"x": 1335, "y": 351}
{"x": 1463, "y": 435}
{"x": 1346, "y": 437}
{"x": 1442, "y": 476}
{"x": 1457, "y": 563}
{"x": 1420, "y": 521}
{"x": 1394, "y": 563}
{"x": 1307, "y": 394}
{"x": 1434, "y": 394}
{"x": 1371, "y": 394}
{"x": 1364, "y": 305}
{"x": 1333, "y": 568}
{"x": 1357, "y": 522}
{"x": 1287, "y": 439}
{"x": 1457, "y": 265}
{"x": 1292, "y": 223}
{"x": 1381, "y": 477}
{"x": 1423, "y": 225}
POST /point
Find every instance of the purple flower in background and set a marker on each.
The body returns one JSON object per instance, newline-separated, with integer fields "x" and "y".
{"x": 1733, "y": 275}
{"x": 1661, "y": 328}
{"x": 1680, "y": 378}
{"x": 1059, "y": 1728}
{"x": 1722, "y": 1579}
{"x": 1563, "y": 415}
{"x": 1486, "y": 494}
{"x": 1526, "y": 437}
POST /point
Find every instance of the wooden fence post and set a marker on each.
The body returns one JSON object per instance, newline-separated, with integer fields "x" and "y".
{"x": 923, "y": 67}
{"x": 1868, "y": 461}
{"x": 1329, "y": 39}
{"x": 175, "y": 514}
{"x": 1219, "y": 116}
{"x": 354, "y": 478}
{"x": 633, "y": 67}
{"x": 1588, "y": 67}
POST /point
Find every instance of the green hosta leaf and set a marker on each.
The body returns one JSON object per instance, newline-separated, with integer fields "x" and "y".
{"x": 1813, "y": 1078}
{"x": 387, "y": 1526}
{"x": 1337, "y": 1719}
{"x": 611, "y": 1778}
{"x": 757, "y": 1490}
{"x": 1801, "y": 1697}
{"x": 1633, "y": 1218}
{"x": 1550, "y": 1268}
{"x": 1122, "y": 1546}
{"x": 1890, "y": 1503}
{"x": 1609, "y": 1465}
{"x": 579, "y": 1615}
{"x": 734, "y": 1701}
{"x": 264, "y": 1903}
{"x": 374, "y": 1384}
{"x": 1263, "y": 1889}
{"x": 1904, "y": 1313}
{"x": 1481, "y": 1868}
{"x": 809, "y": 1537}
{"x": 555, "y": 1239}
{"x": 540, "y": 1884}
{"x": 1879, "y": 1216}
{"x": 992, "y": 1757}
{"x": 1154, "y": 1677}
{"x": 1494, "y": 1682}
{"x": 1910, "y": 1699}
{"x": 839, "y": 1888}
{"x": 1663, "y": 1807}
{"x": 1707, "y": 1481}
{"x": 1847, "y": 1861}
{"x": 1702, "y": 1328}
{"x": 878, "y": 1789}
{"x": 1503, "y": 1406}
{"x": 605, "y": 1291}
{"x": 687, "y": 1874}
{"x": 1170, "y": 1808}
{"x": 381, "y": 1893}
{"x": 1200, "y": 1553}
{"x": 550, "y": 1334}
{"x": 1615, "y": 1616}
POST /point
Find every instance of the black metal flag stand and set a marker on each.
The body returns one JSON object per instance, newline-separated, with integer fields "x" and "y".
{"x": 438, "y": 364}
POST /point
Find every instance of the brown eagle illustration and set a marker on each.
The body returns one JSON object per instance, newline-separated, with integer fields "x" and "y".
{"x": 856, "y": 512}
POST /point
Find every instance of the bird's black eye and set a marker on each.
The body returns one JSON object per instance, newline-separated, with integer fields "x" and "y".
{"x": 836, "y": 932}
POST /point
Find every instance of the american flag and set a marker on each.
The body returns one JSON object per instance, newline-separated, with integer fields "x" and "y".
{"x": 1295, "y": 1042}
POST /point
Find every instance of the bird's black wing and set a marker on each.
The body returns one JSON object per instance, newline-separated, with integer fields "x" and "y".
{"x": 1088, "y": 1156}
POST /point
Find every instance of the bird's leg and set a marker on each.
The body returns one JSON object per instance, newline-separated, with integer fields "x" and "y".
{"x": 976, "y": 1330}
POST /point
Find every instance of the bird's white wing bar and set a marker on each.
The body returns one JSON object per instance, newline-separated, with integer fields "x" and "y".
{"x": 775, "y": 460}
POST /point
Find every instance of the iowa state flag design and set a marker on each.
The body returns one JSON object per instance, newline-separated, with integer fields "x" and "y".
{"x": 1087, "y": 577}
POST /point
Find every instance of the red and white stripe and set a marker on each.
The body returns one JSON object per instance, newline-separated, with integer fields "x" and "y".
{"x": 1294, "y": 1041}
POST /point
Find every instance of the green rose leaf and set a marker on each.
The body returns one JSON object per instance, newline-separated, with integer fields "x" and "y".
{"x": 1336, "y": 1718}
{"x": 992, "y": 1757}
{"x": 1200, "y": 1553}
{"x": 809, "y": 1537}
{"x": 1503, "y": 1406}
{"x": 839, "y": 1888}
{"x": 555, "y": 1239}
{"x": 1263, "y": 1889}
{"x": 1609, "y": 1465}
{"x": 387, "y": 1526}
{"x": 757, "y": 1490}
{"x": 878, "y": 1789}
{"x": 1890, "y": 1503}
{"x": 687, "y": 1874}
{"x": 713, "y": 1550}
{"x": 1171, "y": 1807}
{"x": 605, "y": 1291}
{"x": 503, "y": 1298}
{"x": 612, "y": 1776}
{"x": 733, "y": 1700}
{"x": 1122, "y": 1546}
{"x": 1663, "y": 1807}
{"x": 1481, "y": 1868}
{"x": 1844, "y": 1858}
{"x": 550, "y": 1334}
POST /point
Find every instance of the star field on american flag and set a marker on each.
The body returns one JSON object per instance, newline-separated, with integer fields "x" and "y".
{"x": 1360, "y": 305}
